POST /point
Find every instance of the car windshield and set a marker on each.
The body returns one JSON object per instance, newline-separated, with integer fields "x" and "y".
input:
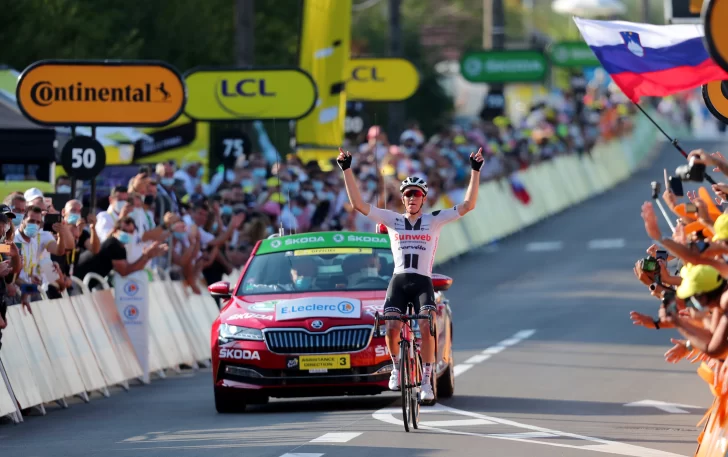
{"x": 318, "y": 270}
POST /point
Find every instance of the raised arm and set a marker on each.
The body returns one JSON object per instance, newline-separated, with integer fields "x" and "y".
{"x": 352, "y": 189}
{"x": 471, "y": 195}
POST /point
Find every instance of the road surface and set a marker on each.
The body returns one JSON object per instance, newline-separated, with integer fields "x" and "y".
{"x": 547, "y": 356}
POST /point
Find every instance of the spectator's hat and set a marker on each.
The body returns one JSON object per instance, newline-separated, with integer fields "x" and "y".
{"x": 32, "y": 193}
{"x": 5, "y": 209}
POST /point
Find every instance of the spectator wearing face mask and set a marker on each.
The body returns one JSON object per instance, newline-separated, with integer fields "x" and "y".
{"x": 84, "y": 236}
{"x": 16, "y": 202}
{"x": 190, "y": 177}
{"x": 106, "y": 220}
{"x": 63, "y": 185}
{"x": 112, "y": 254}
{"x": 33, "y": 243}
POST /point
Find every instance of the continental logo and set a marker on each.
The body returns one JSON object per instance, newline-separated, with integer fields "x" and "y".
{"x": 73, "y": 93}
{"x": 422, "y": 237}
{"x": 234, "y": 94}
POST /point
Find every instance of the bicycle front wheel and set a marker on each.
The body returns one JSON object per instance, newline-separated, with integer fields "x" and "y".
{"x": 404, "y": 382}
{"x": 414, "y": 397}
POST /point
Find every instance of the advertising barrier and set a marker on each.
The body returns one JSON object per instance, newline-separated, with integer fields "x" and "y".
{"x": 76, "y": 345}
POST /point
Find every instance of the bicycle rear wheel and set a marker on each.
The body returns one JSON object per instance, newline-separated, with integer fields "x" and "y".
{"x": 416, "y": 381}
{"x": 404, "y": 382}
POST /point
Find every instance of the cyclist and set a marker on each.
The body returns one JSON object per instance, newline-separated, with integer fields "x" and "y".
{"x": 414, "y": 238}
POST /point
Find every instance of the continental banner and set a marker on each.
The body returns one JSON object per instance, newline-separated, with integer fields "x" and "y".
{"x": 324, "y": 54}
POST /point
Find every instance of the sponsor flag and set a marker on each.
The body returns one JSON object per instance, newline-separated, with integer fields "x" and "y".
{"x": 647, "y": 60}
{"x": 324, "y": 54}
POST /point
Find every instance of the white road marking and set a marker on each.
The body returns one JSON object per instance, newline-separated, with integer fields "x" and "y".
{"x": 674, "y": 408}
{"x": 336, "y": 437}
{"x": 616, "y": 243}
{"x": 457, "y": 423}
{"x": 601, "y": 445}
{"x": 495, "y": 349}
{"x": 301, "y": 454}
{"x": 543, "y": 246}
{"x": 462, "y": 368}
{"x": 478, "y": 358}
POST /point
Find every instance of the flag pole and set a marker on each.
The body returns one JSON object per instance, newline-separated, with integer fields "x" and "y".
{"x": 673, "y": 141}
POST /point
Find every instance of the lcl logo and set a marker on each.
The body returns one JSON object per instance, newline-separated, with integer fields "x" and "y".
{"x": 365, "y": 73}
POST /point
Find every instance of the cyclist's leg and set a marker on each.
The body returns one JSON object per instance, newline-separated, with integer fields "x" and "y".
{"x": 425, "y": 304}
{"x": 394, "y": 305}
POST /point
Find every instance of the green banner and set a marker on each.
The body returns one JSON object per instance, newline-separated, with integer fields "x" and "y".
{"x": 572, "y": 54}
{"x": 515, "y": 66}
{"x": 319, "y": 240}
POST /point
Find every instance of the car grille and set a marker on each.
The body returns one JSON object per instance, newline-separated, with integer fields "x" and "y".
{"x": 335, "y": 340}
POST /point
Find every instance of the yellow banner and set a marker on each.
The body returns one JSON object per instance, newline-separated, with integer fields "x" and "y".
{"x": 381, "y": 80}
{"x": 233, "y": 94}
{"x": 325, "y": 50}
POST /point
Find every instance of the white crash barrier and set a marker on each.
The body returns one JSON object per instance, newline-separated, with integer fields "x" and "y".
{"x": 77, "y": 345}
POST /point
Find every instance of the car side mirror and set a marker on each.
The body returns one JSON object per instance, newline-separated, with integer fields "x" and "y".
{"x": 441, "y": 282}
{"x": 220, "y": 289}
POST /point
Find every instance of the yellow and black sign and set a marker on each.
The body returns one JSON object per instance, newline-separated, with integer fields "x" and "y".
{"x": 328, "y": 362}
{"x": 223, "y": 94}
{"x": 324, "y": 53}
{"x": 715, "y": 96}
{"x": 716, "y": 33}
{"x": 101, "y": 93}
{"x": 381, "y": 80}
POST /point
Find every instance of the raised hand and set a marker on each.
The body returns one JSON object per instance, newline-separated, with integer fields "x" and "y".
{"x": 344, "y": 159}
{"x": 476, "y": 160}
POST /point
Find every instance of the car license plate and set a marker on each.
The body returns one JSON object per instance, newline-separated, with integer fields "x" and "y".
{"x": 330, "y": 362}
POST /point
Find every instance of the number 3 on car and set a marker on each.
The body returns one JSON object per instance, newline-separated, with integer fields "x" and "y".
{"x": 329, "y": 362}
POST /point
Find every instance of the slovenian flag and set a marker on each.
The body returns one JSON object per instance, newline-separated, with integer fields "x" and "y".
{"x": 647, "y": 60}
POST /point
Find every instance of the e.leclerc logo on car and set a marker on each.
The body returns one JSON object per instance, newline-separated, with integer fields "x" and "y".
{"x": 346, "y": 307}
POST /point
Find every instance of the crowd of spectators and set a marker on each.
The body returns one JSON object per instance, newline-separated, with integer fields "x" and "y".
{"x": 167, "y": 218}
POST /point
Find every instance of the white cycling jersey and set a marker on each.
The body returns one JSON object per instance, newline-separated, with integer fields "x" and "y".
{"x": 414, "y": 244}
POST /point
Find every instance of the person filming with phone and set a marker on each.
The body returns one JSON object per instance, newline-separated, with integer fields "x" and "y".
{"x": 33, "y": 242}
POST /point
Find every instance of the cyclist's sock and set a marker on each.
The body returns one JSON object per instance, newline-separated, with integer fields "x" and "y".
{"x": 395, "y": 360}
{"x": 426, "y": 373}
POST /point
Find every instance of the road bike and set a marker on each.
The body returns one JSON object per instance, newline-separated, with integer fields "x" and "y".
{"x": 410, "y": 364}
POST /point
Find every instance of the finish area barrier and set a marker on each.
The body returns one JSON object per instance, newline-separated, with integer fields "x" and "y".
{"x": 76, "y": 345}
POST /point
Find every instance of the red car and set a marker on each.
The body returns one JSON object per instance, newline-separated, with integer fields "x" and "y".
{"x": 300, "y": 322}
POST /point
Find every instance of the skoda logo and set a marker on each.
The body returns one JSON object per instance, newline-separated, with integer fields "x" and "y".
{"x": 338, "y": 238}
{"x": 316, "y": 325}
{"x": 275, "y": 244}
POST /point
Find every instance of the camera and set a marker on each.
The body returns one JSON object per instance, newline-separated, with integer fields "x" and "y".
{"x": 649, "y": 264}
{"x": 694, "y": 172}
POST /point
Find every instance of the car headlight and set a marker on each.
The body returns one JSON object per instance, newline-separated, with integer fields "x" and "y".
{"x": 233, "y": 332}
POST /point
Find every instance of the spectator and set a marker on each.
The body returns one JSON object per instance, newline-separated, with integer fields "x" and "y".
{"x": 106, "y": 220}
{"x": 112, "y": 254}
{"x": 84, "y": 238}
{"x": 34, "y": 242}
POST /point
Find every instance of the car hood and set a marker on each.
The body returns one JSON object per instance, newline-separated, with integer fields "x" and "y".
{"x": 333, "y": 310}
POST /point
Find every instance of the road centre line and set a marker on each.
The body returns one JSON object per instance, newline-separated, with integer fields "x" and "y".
{"x": 495, "y": 349}
{"x": 543, "y": 246}
{"x": 615, "y": 243}
{"x": 336, "y": 437}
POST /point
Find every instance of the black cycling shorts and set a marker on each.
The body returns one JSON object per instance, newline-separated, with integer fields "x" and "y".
{"x": 406, "y": 288}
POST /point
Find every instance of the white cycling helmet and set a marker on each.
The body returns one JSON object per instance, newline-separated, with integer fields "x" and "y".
{"x": 413, "y": 181}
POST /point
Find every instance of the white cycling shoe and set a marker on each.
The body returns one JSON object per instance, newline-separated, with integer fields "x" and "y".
{"x": 426, "y": 394}
{"x": 394, "y": 380}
